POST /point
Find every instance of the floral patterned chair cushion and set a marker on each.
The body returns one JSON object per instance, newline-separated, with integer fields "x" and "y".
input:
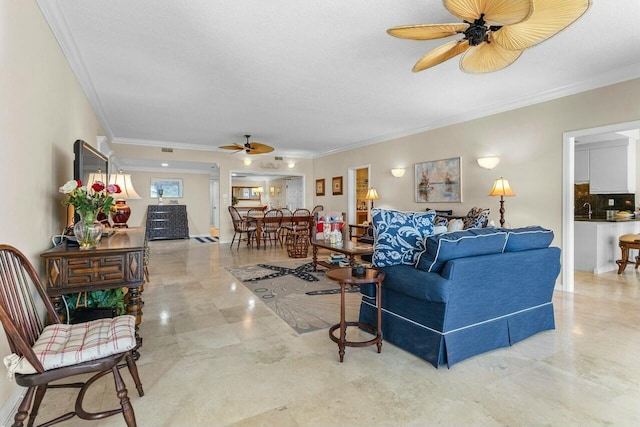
{"x": 399, "y": 236}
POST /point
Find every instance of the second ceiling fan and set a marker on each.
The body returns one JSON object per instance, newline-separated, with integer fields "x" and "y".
{"x": 249, "y": 147}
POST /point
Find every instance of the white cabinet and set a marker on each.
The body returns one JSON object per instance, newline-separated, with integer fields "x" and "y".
{"x": 612, "y": 167}
{"x": 581, "y": 169}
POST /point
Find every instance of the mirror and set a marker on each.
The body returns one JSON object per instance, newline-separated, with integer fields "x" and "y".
{"x": 246, "y": 193}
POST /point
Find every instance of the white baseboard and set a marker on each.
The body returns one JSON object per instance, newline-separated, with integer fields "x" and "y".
{"x": 10, "y": 407}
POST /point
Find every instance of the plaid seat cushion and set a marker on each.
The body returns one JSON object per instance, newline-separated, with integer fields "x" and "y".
{"x": 63, "y": 345}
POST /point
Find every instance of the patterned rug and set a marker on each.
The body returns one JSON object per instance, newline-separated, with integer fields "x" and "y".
{"x": 206, "y": 239}
{"x": 306, "y": 300}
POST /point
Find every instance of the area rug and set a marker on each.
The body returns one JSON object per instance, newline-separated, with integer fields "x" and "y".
{"x": 207, "y": 239}
{"x": 307, "y": 300}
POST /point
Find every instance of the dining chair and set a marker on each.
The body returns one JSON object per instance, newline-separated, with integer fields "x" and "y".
{"x": 44, "y": 354}
{"x": 284, "y": 225}
{"x": 240, "y": 227}
{"x": 271, "y": 226}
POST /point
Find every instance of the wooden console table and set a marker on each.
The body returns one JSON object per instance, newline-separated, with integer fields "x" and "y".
{"x": 117, "y": 262}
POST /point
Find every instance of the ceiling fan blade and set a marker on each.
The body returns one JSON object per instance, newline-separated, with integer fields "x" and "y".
{"x": 259, "y": 148}
{"x": 496, "y": 12}
{"x": 549, "y": 18}
{"x": 487, "y": 57}
{"x": 427, "y": 31}
{"x": 232, "y": 147}
{"x": 441, "y": 54}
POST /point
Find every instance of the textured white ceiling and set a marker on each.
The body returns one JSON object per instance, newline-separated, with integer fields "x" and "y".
{"x": 309, "y": 77}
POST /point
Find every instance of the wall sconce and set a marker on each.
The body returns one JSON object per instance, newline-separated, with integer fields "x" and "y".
{"x": 397, "y": 172}
{"x": 488, "y": 162}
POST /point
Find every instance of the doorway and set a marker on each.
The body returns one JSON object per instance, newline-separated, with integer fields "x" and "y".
{"x": 358, "y": 179}
{"x": 568, "y": 176}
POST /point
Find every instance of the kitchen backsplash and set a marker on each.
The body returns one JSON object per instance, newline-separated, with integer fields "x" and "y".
{"x": 600, "y": 202}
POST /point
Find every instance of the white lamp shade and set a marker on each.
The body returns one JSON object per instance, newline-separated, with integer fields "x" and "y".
{"x": 372, "y": 194}
{"x": 501, "y": 187}
{"x": 123, "y": 180}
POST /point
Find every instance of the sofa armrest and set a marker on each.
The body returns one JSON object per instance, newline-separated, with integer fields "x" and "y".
{"x": 415, "y": 283}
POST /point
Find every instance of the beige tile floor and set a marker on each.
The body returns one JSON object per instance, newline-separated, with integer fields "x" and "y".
{"x": 213, "y": 355}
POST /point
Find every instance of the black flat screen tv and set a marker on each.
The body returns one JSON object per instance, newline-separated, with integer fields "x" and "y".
{"x": 88, "y": 160}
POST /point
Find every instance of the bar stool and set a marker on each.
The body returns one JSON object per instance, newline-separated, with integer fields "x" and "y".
{"x": 626, "y": 242}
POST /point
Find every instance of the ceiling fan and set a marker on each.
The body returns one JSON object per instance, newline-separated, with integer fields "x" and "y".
{"x": 496, "y": 32}
{"x": 249, "y": 147}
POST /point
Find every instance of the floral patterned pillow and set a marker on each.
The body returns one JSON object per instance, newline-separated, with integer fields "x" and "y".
{"x": 399, "y": 236}
{"x": 476, "y": 218}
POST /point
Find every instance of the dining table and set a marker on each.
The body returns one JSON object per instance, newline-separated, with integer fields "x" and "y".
{"x": 259, "y": 220}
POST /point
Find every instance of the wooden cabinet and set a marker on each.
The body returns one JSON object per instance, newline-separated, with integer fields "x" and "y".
{"x": 167, "y": 222}
{"x": 612, "y": 167}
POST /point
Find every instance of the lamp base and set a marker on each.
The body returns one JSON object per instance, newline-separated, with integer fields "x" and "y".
{"x": 120, "y": 214}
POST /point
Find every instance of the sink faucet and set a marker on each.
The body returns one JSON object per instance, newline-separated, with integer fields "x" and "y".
{"x": 589, "y": 205}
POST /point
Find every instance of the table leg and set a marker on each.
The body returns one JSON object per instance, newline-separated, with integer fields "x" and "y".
{"x": 134, "y": 308}
{"x": 379, "y": 303}
{"x": 343, "y": 325}
{"x": 258, "y": 233}
{"x": 315, "y": 258}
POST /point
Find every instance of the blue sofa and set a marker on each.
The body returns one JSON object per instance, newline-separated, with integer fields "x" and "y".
{"x": 469, "y": 292}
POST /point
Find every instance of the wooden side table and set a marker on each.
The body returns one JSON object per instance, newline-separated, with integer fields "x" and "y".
{"x": 344, "y": 277}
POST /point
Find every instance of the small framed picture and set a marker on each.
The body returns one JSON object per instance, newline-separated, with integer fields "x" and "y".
{"x": 320, "y": 187}
{"x": 336, "y": 185}
{"x": 171, "y": 187}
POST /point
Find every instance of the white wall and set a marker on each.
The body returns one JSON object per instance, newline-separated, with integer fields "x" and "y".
{"x": 528, "y": 140}
{"x": 43, "y": 112}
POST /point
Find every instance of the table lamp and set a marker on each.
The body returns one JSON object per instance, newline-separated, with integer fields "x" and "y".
{"x": 501, "y": 188}
{"x": 121, "y": 212}
{"x": 372, "y": 195}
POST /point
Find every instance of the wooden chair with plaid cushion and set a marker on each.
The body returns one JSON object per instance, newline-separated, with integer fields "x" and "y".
{"x": 43, "y": 354}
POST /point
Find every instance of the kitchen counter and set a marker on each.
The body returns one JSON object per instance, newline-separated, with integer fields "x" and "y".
{"x": 585, "y": 219}
{"x": 596, "y": 242}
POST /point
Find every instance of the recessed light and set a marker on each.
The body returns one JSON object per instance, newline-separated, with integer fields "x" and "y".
{"x": 165, "y": 164}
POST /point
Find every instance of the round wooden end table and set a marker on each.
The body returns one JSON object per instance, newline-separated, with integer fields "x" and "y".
{"x": 344, "y": 277}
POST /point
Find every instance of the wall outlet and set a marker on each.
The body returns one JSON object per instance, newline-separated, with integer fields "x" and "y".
{"x": 611, "y": 202}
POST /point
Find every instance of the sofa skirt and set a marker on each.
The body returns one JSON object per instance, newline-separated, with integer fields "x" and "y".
{"x": 451, "y": 347}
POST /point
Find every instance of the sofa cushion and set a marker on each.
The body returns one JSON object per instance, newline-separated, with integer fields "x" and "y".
{"x": 399, "y": 236}
{"x": 476, "y": 218}
{"x": 526, "y": 238}
{"x": 460, "y": 244}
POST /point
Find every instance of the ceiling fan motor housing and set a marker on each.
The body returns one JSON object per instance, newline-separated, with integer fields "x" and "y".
{"x": 478, "y": 31}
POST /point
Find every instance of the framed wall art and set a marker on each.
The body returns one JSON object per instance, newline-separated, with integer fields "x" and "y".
{"x": 336, "y": 185}
{"x": 171, "y": 187}
{"x": 438, "y": 181}
{"x": 320, "y": 187}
